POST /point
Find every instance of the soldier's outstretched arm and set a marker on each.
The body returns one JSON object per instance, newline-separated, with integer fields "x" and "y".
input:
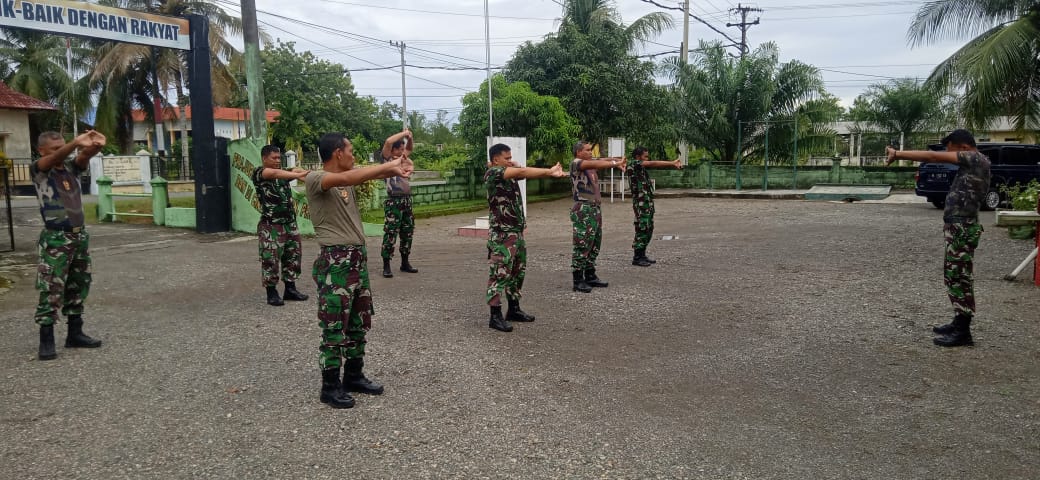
{"x": 920, "y": 156}
{"x": 601, "y": 163}
{"x": 357, "y": 176}
{"x": 532, "y": 172}
{"x": 279, "y": 174}
{"x": 676, "y": 164}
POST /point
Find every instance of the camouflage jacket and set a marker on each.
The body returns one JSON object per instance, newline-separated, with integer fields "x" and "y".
{"x": 639, "y": 180}
{"x": 505, "y": 205}
{"x": 58, "y": 193}
{"x": 968, "y": 189}
{"x": 275, "y": 197}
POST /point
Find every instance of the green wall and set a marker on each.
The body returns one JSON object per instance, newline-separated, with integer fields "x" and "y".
{"x": 245, "y": 210}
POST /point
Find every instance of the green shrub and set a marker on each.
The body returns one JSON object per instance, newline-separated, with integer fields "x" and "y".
{"x": 1023, "y": 197}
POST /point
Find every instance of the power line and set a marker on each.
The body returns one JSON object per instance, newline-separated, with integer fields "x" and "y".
{"x": 699, "y": 19}
{"x": 744, "y": 25}
{"x": 341, "y": 33}
{"x": 458, "y": 14}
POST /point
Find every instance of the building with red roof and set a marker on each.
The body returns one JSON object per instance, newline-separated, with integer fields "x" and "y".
{"x": 15, "y": 109}
{"x": 227, "y": 122}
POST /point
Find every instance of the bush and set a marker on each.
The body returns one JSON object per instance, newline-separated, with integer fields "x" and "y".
{"x": 1022, "y": 197}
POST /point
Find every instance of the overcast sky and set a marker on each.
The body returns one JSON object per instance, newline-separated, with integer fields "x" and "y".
{"x": 854, "y": 43}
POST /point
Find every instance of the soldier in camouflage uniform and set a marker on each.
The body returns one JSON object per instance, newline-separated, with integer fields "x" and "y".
{"x": 643, "y": 200}
{"x": 507, "y": 250}
{"x": 63, "y": 274}
{"x": 398, "y": 205}
{"x": 961, "y": 226}
{"x": 587, "y": 216}
{"x": 341, "y": 269}
{"x": 279, "y": 237}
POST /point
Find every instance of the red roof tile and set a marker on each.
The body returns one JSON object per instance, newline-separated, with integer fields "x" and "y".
{"x": 219, "y": 113}
{"x": 13, "y": 100}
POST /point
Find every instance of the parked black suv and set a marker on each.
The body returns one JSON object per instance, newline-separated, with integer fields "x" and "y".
{"x": 1011, "y": 163}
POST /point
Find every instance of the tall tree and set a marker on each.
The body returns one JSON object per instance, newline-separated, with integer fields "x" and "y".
{"x": 589, "y": 65}
{"x": 717, "y": 95}
{"x": 314, "y": 95}
{"x": 998, "y": 67}
{"x": 119, "y": 66}
{"x": 34, "y": 63}
{"x": 518, "y": 111}
{"x": 901, "y": 107}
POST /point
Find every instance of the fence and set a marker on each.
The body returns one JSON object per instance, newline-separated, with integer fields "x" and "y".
{"x": 6, "y": 194}
{"x": 173, "y": 169}
{"x": 728, "y": 175}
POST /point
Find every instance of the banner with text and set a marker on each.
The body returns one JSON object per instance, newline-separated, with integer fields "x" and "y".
{"x": 96, "y": 21}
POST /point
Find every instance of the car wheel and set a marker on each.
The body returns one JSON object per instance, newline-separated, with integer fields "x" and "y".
{"x": 993, "y": 200}
{"x": 939, "y": 203}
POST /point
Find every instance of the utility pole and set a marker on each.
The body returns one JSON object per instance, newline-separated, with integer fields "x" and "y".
{"x": 404, "y": 95}
{"x": 744, "y": 25}
{"x": 684, "y": 55}
{"x": 254, "y": 78}
{"x": 684, "y": 149}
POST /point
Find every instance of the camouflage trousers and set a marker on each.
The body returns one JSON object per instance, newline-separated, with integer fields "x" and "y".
{"x": 587, "y": 223}
{"x": 63, "y": 274}
{"x": 279, "y": 243}
{"x": 344, "y": 303}
{"x": 507, "y": 258}
{"x": 961, "y": 241}
{"x": 644, "y": 223}
{"x": 399, "y": 218}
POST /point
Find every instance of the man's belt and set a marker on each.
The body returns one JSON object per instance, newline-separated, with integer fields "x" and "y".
{"x": 65, "y": 229}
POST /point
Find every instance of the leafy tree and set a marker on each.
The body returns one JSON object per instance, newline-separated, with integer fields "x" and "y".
{"x": 900, "y": 107}
{"x": 314, "y": 96}
{"x": 715, "y": 92}
{"x": 34, "y": 63}
{"x": 998, "y": 66}
{"x": 520, "y": 112}
{"x": 588, "y": 64}
{"x": 120, "y": 71}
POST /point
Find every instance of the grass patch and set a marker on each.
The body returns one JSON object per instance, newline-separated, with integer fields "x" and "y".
{"x": 143, "y": 205}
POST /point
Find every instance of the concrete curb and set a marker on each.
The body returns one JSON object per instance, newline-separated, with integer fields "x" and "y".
{"x": 741, "y": 194}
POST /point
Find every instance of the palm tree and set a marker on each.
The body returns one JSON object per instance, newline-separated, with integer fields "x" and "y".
{"x": 717, "y": 95}
{"x": 588, "y": 16}
{"x": 998, "y": 67}
{"x": 902, "y": 107}
{"x": 34, "y": 63}
{"x": 124, "y": 65}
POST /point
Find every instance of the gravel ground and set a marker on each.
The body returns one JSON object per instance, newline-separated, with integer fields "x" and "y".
{"x": 773, "y": 339}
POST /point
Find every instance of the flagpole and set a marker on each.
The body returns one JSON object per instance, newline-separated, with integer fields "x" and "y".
{"x": 72, "y": 87}
{"x": 487, "y": 44}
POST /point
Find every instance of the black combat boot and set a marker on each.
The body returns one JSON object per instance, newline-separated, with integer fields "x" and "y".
{"x": 332, "y": 391}
{"x": 407, "y": 267}
{"x": 592, "y": 280}
{"x": 944, "y": 329}
{"x": 273, "y": 298}
{"x": 579, "y": 282}
{"x": 355, "y": 381}
{"x": 76, "y": 338}
{"x": 959, "y": 336}
{"x": 497, "y": 322}
{"x": 514, "y": 314}
{"x": 386, "y": 268}
{"x": 291, "y": 293}
{"x": 47, "y": 343}
{"x": 639, "y": 259}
